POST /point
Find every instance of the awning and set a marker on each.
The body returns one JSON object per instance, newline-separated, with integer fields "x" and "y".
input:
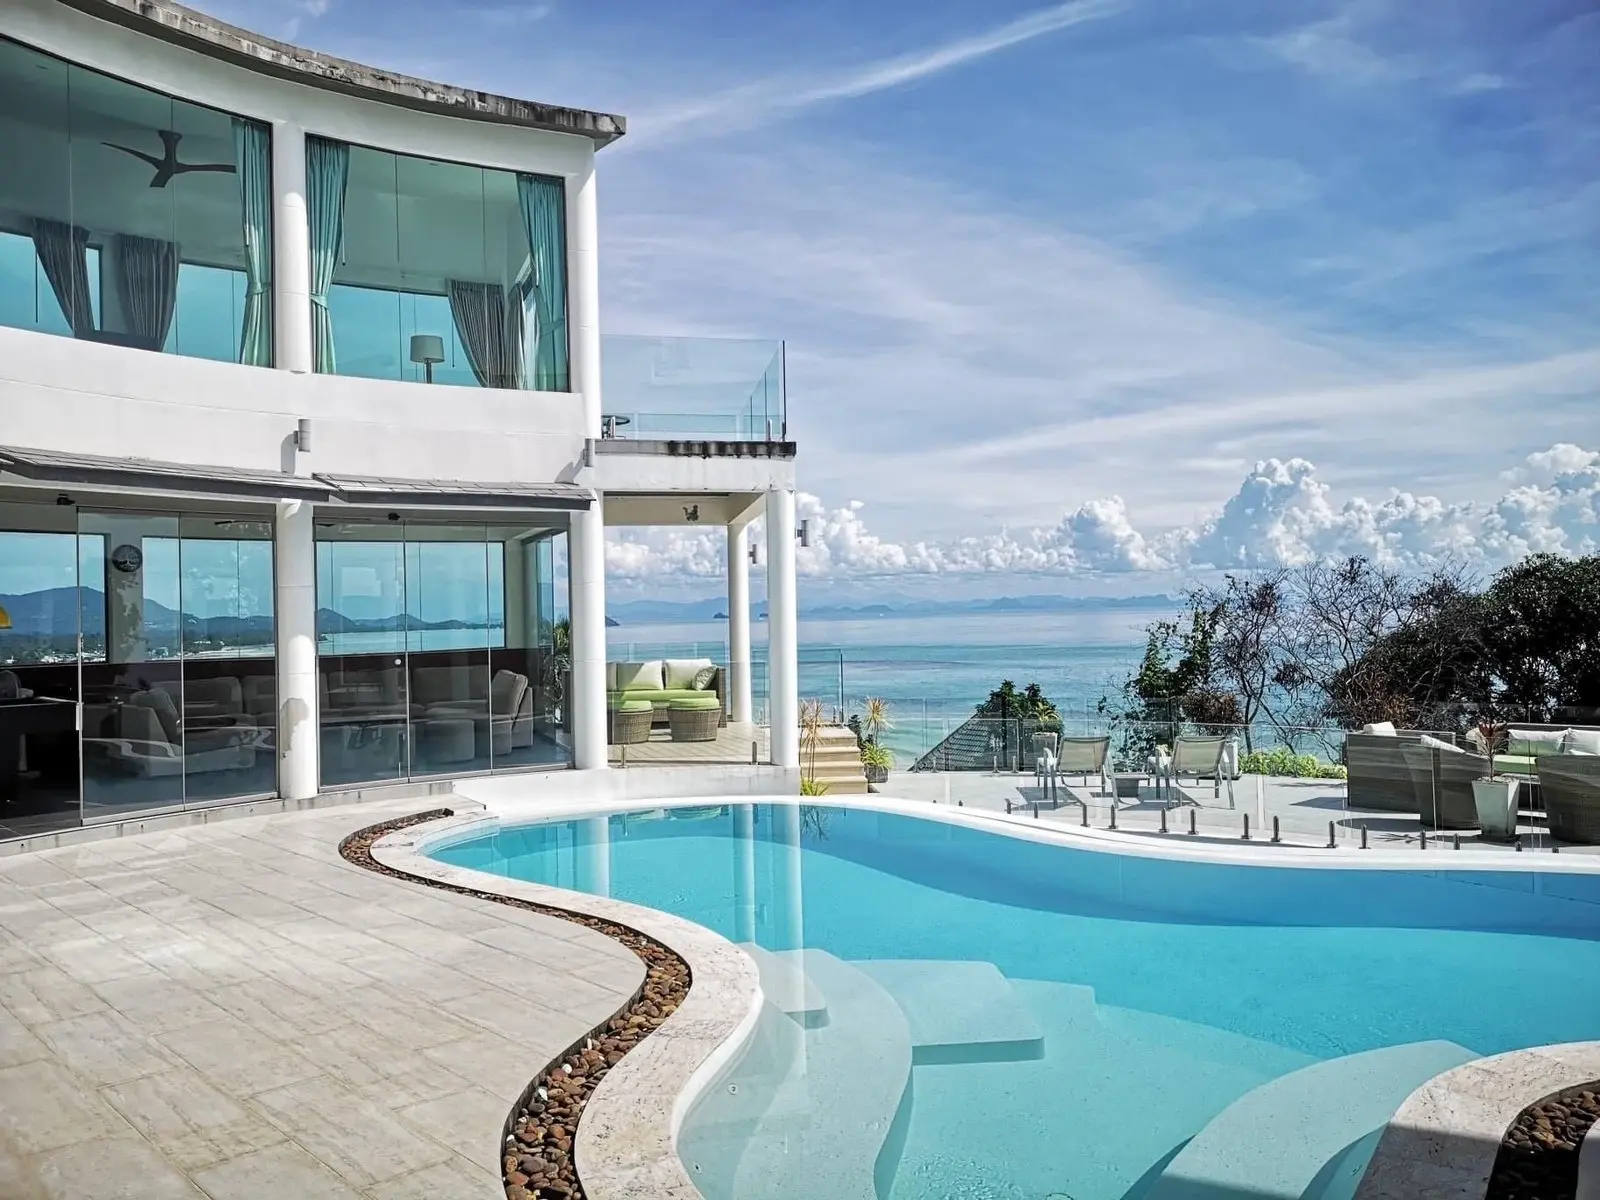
{"x": 149, "y": 475}
{"x": 384, "y": 489}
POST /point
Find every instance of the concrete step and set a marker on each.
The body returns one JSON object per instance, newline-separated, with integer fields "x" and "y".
{"x": 786, "y": 985}
{"x": 1276, "y": 1141}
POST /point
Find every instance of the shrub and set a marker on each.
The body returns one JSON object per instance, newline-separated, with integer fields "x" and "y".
{"x": 875, "y": 755}
{"x": 1283, "y": 761}
{"x": 813, "y": 787}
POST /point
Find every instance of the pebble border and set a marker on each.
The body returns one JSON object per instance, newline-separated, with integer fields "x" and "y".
{"x": 543, "y": 1125}
{"x": 1539, "y": 1157}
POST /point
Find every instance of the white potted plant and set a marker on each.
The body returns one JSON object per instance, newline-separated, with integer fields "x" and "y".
{"x": 1495, "y": 798}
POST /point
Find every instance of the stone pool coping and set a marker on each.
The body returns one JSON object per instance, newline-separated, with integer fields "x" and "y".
{"x": 626, "y": 1145}
{"x": 1441, "y": 1144}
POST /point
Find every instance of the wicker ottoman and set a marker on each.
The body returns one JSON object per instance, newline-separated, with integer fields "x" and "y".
{"x": 695, "y": 720}
{"x": 629, "y": 722}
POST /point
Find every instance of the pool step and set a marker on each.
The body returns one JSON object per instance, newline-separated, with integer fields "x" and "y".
{"x": 853, "y": 1079}
{"x": 786, "y": 985}
{"x": 960, "y": 1012}
{"x": 1278, "y": 1140}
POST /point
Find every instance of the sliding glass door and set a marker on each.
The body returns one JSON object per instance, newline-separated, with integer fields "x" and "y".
{"x": 420, "y": 672}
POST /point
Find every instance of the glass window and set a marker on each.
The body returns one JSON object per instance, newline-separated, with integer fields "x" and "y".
{"x": 438, "y": 272}
{"x": 129, "y": 217}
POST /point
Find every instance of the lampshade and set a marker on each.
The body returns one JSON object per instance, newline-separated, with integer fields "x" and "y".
{"x": 427, "y": 348}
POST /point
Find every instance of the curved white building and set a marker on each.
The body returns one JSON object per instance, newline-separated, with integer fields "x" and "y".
{"x": 305, "y": 457}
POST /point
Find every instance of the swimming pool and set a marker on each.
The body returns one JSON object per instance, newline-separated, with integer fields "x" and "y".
{"x": 957, "y": 1012}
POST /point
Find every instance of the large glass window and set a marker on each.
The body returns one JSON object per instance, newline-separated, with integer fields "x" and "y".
{"x": 438, "y": 650}
{"x": 129, "y": 217}
{"x": 436, "y": 272}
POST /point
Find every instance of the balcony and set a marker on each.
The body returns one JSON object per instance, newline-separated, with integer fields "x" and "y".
{"x": 701, "y": 397}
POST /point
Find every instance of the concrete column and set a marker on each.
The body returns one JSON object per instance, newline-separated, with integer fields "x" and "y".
{"x": 296, "y": 613}
{"x": 788, "y": 893}
{"x": 783, "y": 652}
{"x": 588, "y": 590}
{"x": 744, "y": 872}
{"x": 739, "y": 623}
{"x": 291, "y": 250}
{"x": 125, "y": 632}
{"x": 583, "y": 292}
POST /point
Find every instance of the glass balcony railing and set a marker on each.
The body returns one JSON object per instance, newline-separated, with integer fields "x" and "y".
{"x": 675, "y": 389}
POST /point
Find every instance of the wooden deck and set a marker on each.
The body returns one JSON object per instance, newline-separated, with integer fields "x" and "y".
{"x": 732, "y": 746}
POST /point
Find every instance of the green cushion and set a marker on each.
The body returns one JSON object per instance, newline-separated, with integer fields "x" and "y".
{"x": 1522, "y": 764}
{"x": 631, "y": 706}
{"x": 664, "y": 695}
{"x": 694, "y": 703}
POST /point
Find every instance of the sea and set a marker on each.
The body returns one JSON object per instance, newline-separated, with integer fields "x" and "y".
{"x": 931, "y": 671}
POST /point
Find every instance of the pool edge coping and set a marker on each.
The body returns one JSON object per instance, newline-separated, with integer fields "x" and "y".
{"x": 1444, "y": 1138}
{"x": 626, "y": 1143}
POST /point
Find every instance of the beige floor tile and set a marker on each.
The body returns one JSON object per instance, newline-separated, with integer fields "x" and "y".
{"x": 17, "y": 1043}
{"x": 47, "y": 994}
{"x": 359, "y": 1139}
{"x": 190, "y": 1121}
{"x": 236, "y": 1058}
{"x": 127, "y": 1168}
{"x": 282, "y": 1172}
{"x": 470, "y": 1123}
{"x": 493, "y": 1063}
{"x": 104, "y": 1047}
{"x": 44, "y": 1107}
{"x": 456, "y": 1179}
{"x": 155, "y": 1003}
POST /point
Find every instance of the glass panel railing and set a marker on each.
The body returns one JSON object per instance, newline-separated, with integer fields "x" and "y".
{"x": 665, "y": 388}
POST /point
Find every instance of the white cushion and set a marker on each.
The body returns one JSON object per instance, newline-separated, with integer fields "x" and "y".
{"x": 1581, "y": 741}
{"x": 1434, "y": 743}
{"x": 1534, "y": 742}
{"x": 680, "y": 672}
{"x": 1381, "y": 728}
{"x": 1476, "y": 739}
{"x": 639, "y": 676}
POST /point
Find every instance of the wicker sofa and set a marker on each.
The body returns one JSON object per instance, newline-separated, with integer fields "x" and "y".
{"x": 661, "y": 681}
{"x": 1571, "y": 787}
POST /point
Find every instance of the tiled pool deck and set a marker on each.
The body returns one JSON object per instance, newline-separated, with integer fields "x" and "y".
{"x": 234, "y": 1011}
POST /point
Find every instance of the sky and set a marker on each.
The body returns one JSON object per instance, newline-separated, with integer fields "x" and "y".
{"x": 1093, "y": 297}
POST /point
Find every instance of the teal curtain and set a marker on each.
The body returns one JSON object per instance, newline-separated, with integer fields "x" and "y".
{"x": 327, "y": 172}
{"x": 252, "y": 154}
{"x": 544, "y": 214}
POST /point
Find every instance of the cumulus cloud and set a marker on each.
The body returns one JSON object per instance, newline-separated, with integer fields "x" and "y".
{"x": 1280, "y": 515}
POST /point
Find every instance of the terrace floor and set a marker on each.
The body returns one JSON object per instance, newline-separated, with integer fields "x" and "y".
{"x": 731, "y": 746}
{"x": 234, "y": 1011}
{"x": 1304, "y": 808}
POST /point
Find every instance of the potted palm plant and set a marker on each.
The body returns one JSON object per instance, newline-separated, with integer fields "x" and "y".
{"x": 1494, "y": 797}
{"x": 877, "y": 760}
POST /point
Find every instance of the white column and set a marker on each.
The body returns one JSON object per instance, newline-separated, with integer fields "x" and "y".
{"x": 591, "y": 853}
{"x": 583, "y": 292}
{"x": 291, "y": 250}
{"x": 783, "y": 652}
{"x": 788, "y": 894}
{"x": 588, "y": 589}
{"x": 296, "y": 615}
{"x": 739, "y": 623}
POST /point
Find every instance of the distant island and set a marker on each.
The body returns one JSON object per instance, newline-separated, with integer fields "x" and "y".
{"x": 714, "y": 608}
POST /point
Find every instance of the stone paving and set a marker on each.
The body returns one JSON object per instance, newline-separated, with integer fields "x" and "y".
{"x": 233, "y": 1011}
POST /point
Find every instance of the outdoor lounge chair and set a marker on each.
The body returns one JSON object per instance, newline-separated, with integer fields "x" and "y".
{"x": 1442, "y": 784}
{"x": 1200, "y": 757}
{"x": 1084, "y": 756}
{"x": 1571, "y": 787}
{"x": 1044, "y": 761}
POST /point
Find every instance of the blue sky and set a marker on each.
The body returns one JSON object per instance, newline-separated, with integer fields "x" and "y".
{"x": 1089, "y": 296}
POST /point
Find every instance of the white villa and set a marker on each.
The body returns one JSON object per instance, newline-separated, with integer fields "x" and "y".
{"x": 310, "y": 436}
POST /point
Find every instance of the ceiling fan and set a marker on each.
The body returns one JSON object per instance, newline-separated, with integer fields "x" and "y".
{"x": 168, "y": 166}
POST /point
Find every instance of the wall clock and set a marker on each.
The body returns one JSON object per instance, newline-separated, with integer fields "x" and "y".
{"x": 127, "y": 559}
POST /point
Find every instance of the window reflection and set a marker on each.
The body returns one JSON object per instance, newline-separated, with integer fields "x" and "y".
{"x": 131, "y": 218}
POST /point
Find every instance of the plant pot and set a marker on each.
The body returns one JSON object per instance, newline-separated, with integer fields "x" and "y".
{"x": 1496, "y": 802}
{"x": 876, "y": 774}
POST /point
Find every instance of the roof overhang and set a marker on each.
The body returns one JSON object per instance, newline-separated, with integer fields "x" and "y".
{"x": 146, "y": 476}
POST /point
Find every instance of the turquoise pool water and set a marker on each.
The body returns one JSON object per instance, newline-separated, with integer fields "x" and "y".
{"x": 961, "y": 1013}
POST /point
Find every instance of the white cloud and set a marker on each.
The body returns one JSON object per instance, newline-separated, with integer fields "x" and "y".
{"x": 751, "y": 104}
{"x": 1281, "y": 515}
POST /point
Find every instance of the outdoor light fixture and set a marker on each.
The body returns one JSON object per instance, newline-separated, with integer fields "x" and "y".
{"x": 804, "y": 533}
{"x": 427, "y": 349}
{"x": 302, "y": 436}
{"x": 754, "y": 560}
{"x": 691, "y": 513}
